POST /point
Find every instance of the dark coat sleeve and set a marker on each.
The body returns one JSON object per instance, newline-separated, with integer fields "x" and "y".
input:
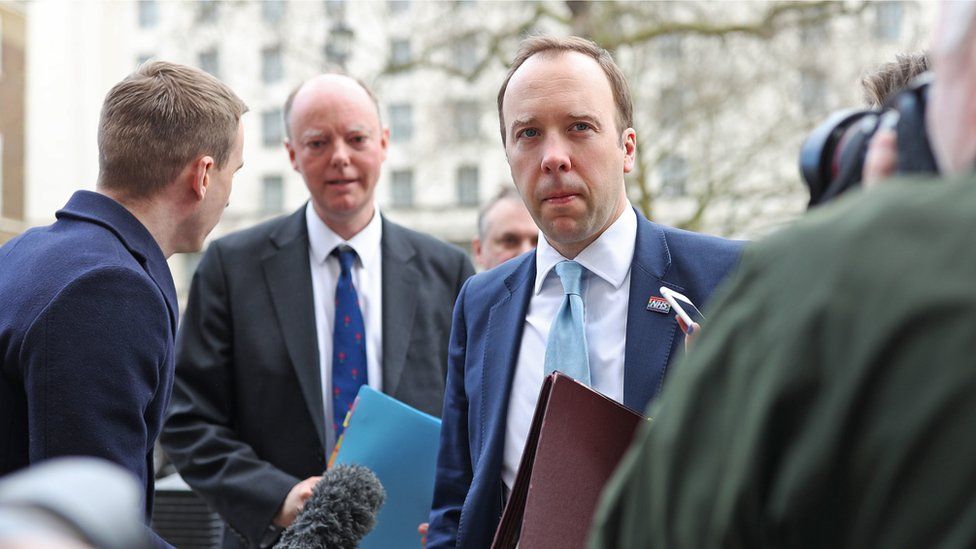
{"x": 92, "y": 364}
{"x": 454, "y": 458}
{"x": 200, "y": 435}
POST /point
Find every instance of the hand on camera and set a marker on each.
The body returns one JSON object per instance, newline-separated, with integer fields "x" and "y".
{"x": 882, "y": 157}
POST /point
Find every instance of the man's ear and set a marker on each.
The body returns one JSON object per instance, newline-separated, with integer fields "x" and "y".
{"x": 476, "y": 250}
{"x": 384, "y": 140}
{"x": 291, "y": 154}
{"x": 630, "y": 149}
{"x": 200, "y": 176}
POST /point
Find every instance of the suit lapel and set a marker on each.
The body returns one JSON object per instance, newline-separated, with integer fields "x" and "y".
{"x": 289, "y": 279}
{"x": 506, "y": 320}
{"x": 650, "y": 335}
{"x": 400, "y": 281}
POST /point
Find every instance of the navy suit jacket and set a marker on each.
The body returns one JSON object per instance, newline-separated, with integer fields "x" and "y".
{"x": 87, "y": 325}
{"x": 485, "y": 340}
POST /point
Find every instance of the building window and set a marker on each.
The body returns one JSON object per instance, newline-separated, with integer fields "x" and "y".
{"x": 401, "y": 122}
{"x": 272, "y": 131}
{"x": 815, "y": 32}
{"x": 814, "y": 35}
{"x": 467, "y": 186}
{"x": 335, "y": 9}
{"x": 673, "y": 171}
{"x": 338, "y": 46}
{"x": 400, "y": 53}
{"x": 888, "y": 20}
{"x": 272, "y": 11}
{"x": 272, "y": 194}
{"x": 671, "y": 46}
{"x": 467, "y": 120}
{"x": 271, "y": 64}
{"x": 398, "y": 6}
{"x": 401, "y": 189}
{"x": 671, "y": 107}
{"x": 148, "y": 13}
{"x": 209, "y": 61}
{"x": 465, "y": 55}
{"x": 813, "y": 92}
{"x": 207, "y": 11}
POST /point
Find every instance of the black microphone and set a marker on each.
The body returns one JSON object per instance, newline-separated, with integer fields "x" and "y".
{"x": 340, "y": 512}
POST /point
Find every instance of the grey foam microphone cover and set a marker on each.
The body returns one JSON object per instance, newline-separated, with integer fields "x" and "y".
{"x": 340, "y": 512}
{"x": 84, "y": 498}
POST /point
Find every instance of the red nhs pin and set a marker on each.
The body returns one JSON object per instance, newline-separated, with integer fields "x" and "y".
{"x": 658, "y": 305}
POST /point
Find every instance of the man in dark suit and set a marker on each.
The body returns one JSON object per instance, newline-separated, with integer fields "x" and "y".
{"x": 586, "y": 302}
{"x": 272, "y": 348}
{"x": 87, "y": 305}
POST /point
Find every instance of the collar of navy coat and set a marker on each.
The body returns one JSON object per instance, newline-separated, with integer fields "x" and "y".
{"x": 101, "y": 210}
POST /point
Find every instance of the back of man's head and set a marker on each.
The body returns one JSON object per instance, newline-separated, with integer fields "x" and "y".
{"x": 157, "y": 120}
{"x": 505, "y": 193}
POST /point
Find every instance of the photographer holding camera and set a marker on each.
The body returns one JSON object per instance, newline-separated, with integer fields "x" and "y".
{"x": 879, "y": 87}
{"x": 830, "y": 401}
{"x": 853, "y": 143}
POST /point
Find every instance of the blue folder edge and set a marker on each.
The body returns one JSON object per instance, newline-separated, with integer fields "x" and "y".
{"x": 399, "y": 444}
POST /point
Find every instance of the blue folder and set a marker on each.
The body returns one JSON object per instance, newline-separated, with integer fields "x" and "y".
{"x": 399, "y": 444}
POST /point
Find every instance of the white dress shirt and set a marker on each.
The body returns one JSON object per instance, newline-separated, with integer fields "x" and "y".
{"x": 606, "y": 291}
{"x": 367, "y": 277}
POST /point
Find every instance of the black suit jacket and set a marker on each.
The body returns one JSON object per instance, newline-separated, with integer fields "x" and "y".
{"x": 246, "y": 422}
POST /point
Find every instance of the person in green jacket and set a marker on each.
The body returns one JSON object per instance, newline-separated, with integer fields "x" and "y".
{"x": 831, "y": 400}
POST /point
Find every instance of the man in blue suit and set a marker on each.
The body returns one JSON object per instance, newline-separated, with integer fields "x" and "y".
{"x": 566, "y": 123}
{"x": 87, "y": 305}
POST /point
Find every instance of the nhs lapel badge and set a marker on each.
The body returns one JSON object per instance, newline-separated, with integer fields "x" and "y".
{"x": 658, "y": 305}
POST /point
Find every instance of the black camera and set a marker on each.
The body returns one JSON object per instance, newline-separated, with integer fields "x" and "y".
{"x": 832, "y": 157}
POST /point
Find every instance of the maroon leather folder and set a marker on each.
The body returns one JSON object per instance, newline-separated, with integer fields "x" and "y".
{"x": 576, "y": 440}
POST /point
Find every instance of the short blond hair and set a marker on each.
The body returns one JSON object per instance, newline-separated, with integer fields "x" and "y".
{"x": 157, "y": 120}
{"x": 555, "y": 45}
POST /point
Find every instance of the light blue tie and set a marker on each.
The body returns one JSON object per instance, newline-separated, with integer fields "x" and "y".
{"x": 566, "y": 349}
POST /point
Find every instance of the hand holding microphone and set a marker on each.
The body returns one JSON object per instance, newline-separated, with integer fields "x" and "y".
{"x": 340, "y": 512}
{"x": 294, "y": 502}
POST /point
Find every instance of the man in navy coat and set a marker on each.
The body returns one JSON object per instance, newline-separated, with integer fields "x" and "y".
{"x": 566, "y": 122}
{"x": 88, "y": 309}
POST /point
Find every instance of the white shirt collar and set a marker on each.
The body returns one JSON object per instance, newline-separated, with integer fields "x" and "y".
{"x": 608, "y": 257}
{"x": 322, "y": 240}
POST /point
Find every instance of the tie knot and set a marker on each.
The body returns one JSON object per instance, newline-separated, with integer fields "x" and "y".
{"x": 570, "y": 273}
{"x": 346, "y": 255}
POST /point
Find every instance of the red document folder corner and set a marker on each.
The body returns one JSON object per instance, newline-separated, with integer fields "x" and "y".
{"x": 576, "y": 440}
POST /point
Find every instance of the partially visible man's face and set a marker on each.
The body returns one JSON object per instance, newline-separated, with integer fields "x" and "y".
{"x": 338, "y": 146}
{"x": 509, "y": 231}
{"x": 217, "y": 198}
{"x": 951, "y": 109}
{"x": 567, "y": 157}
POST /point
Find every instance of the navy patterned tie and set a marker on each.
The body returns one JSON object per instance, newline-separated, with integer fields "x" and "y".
{"x": 348, "y": 341}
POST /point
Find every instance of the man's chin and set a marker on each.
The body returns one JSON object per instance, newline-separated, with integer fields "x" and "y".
{"x": 345, "y": 206}
{"x": 567, "y": 236}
